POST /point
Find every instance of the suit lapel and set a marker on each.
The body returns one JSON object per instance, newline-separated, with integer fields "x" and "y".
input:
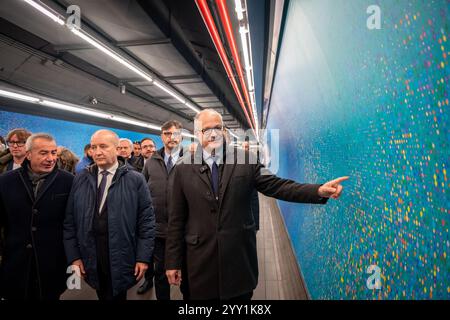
{"x": 199, "y": 167}
{"x": 26, "y": 182}
{"x": 47, "y": 183}
{"x": 227, "y": 173}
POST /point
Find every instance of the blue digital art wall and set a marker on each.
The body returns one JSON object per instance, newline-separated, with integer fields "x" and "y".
{"x": 69, "y": 134}
{"x": 372, "y": 104}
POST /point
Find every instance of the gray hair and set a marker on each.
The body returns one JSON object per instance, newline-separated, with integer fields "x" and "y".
{"x": 30, "y": 140}
{"x": 127, "y": 140}
{"x": 197, "y": 122}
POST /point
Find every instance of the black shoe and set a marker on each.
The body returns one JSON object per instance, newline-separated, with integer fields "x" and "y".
{"x": 147, "y": 285}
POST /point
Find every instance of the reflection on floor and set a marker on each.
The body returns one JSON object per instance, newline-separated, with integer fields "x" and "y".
{"x": 279, "y": 276}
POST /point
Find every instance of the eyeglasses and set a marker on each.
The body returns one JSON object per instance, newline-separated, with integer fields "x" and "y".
{"x": 175, "y": 134}
{"x": 17, "y": 143}
{"x": 207, "y": 132}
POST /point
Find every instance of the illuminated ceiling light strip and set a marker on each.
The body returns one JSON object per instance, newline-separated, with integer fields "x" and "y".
{"x": 176, "y": 96}
{"x": 225, "y": 19}
{"x": 170, "y": 92}
{"x": 108, "y": 51}
{"x": 17, "y": 96}
{"x": 239, "y": 10}
{"x": 231, "y": 132}
{"x": 76, "y": 109}
{"x": 185, "y": 134}
{"x": 209, "y": 22}
{"x": 248, "y": 68}
{"x": 192, "y": 107}
{"x": 97, "y": 44}
{"x": 38, "y": 5}
{"x": 244, "y": 31}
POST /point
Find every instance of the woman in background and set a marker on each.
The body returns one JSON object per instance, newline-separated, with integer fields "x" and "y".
{"x": 67, "y": 160}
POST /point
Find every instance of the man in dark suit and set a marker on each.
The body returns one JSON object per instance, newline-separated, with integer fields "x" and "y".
{"x": 148, "y": 148}
{"x": 157, "y": 171}
{"x": 33, "y": 202}
{"x": 210, "y": 209}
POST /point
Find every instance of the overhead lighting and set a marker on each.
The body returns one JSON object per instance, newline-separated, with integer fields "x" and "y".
{"x": 239, "y": 10}
{"x": 226, "y": 23}
{"x": 169, "y": 91}
{"x": 17, "y": 96}
{"x": 103, "y": 48}
{"x": 108, "y": 51}
{"x": 213, "y": 32}
{"x": 176, "y": 96}
{"x": 244, "y": 31}
{"x": 65, "y": 106}
{"x": 187, "y": 134}
{"x": 49, "y": 12}
{"x": 231, "y": 132}
{"x": 192, "y": 107}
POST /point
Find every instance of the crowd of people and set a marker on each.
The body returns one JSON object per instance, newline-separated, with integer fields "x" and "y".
{"x": 127, "y": 211}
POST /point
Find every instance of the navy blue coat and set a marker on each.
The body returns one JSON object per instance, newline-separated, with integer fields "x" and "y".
{"x": 33, "y": 230}
{"x": 131, "y": 225}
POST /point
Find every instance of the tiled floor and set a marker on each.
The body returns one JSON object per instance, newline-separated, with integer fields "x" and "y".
{"x": 279, "y": 276}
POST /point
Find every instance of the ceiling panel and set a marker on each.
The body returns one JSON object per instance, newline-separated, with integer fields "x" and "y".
{"x": 164, "y": 59}
{"x": 124, "y": 19}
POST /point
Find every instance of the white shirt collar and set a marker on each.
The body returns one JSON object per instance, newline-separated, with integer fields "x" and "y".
{"x": 175, "y": 154}
{"x": 112, "y": 170}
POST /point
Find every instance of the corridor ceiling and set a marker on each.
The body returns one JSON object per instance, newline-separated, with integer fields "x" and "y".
{"x": 167, "y": 39}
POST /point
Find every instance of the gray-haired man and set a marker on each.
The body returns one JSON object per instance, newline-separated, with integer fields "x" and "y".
{"x": 32, "y": 206}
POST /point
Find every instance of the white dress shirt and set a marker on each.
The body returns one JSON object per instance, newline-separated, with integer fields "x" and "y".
{"x": 209, "y": 159}
{"x": 109, "y": 177}
{"x": 175, "y": 155}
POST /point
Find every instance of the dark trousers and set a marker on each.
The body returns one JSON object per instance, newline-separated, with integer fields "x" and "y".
{"x": 150, "y": 273}
{"x": 105, "y": 291}
{"x": 34, "y": 289}
{"x": 162, "y": 286}
{"x": 243, "y": 297}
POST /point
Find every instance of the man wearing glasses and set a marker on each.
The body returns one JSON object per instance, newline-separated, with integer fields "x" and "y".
{"x": 12, "y": 158}
{"x": 148, "y": 148}
{"x": 209, "y": 208}
{"x": 157, "y": 171}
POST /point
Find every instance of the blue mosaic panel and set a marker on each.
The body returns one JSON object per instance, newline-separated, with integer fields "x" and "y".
{"x": 72, "y": 135}
{"x": 374, "y": 105}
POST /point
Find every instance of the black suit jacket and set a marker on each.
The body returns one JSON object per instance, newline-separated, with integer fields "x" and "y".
{"x": 33, "y": 231}
{"x": 220, "y": 235}
{"x": 157, "y": 177}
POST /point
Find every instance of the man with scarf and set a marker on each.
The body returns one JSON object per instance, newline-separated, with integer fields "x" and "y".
{"x": 32, "y": 208}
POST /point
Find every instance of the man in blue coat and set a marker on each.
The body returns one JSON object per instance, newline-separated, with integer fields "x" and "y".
{"x": 33, "y": 201}
{"x": 109, "y": 229}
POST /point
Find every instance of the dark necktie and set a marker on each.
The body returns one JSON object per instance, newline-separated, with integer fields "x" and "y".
{"x": 215, "y": 179}
{"x": 169, "y": 164}
{"x": 101, "y": 188}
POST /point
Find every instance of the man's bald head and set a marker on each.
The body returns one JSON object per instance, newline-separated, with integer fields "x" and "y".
{"x": 206, "y": 115}
{"x": 104, "y": 145}
{"x": 107, "y": 134}
{"x": 209, "y": 129}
